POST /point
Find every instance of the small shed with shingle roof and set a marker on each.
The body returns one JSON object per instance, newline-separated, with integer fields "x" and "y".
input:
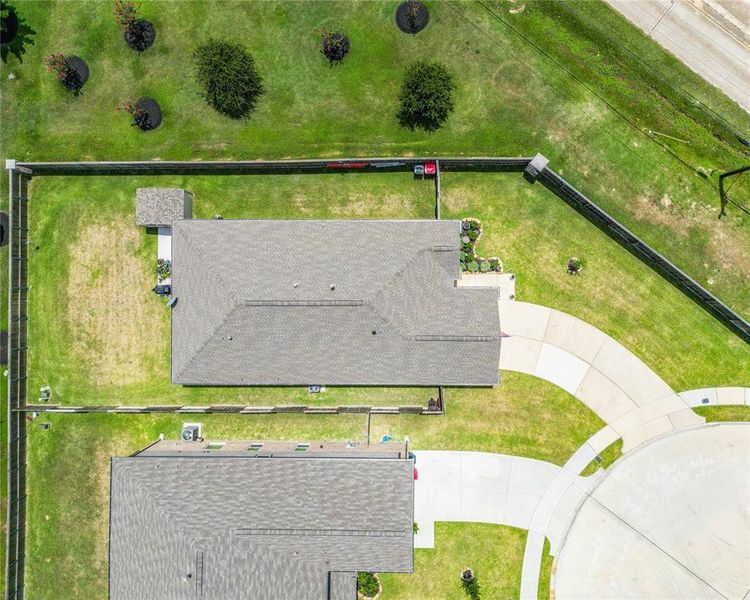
{"x": 160, "y": 207}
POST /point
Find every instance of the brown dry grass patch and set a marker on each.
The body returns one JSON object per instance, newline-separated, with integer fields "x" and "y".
{"x": 117, "y": 325}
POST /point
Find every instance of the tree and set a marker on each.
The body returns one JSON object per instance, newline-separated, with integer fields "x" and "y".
{"x": 227, "y": 75}
{"x": 426, "y": 96}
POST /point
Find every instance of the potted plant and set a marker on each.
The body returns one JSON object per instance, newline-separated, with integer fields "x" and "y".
{"x": 71, "y": 71}
{"x": 412, "y": 16}
{"x": 139, "y": 34}
{"x": 8, "y": 23}
{"x": 336, "y": 45}
{"x": 145, "y": 111}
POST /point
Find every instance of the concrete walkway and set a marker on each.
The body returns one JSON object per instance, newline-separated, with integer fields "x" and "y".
{"x": 670, "y": 520}
{"x": 620, "y": 388}
{"x": 712, "y": 37}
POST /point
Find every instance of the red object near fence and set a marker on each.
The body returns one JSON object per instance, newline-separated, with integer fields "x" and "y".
{"x": 430, "y": 168}
{"x": 346, "y": 165}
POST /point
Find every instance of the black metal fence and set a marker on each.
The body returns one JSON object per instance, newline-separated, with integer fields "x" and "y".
{"x": 21, "y": 173}
{"x": 17, "y": 345}
{"x": 648, "y": 255}
{"x": 433, "y": 408}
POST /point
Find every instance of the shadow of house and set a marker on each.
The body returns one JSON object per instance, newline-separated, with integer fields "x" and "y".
{"x": 18, "y": 43}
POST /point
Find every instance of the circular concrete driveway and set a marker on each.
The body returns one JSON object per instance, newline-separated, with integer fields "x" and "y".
{"x": 670, "y": 520}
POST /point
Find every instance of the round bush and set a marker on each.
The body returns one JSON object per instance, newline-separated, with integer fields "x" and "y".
{"x": 426, "y": 96}
{"x": 140, "y": 35}
{"x": 367, "y": 584}
{"x": 227, "y": 75}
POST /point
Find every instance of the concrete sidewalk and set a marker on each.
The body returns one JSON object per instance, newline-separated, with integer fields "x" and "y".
{"x": 620, "y": 388}
{"x": 706, "y": 35}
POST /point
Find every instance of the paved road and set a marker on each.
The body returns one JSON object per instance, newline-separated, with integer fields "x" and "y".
{"x": 670, "y": 520}
{"x": 709, "y": 36}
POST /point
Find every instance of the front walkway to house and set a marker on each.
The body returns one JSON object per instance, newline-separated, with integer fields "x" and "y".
{"x": 618, "y": 386}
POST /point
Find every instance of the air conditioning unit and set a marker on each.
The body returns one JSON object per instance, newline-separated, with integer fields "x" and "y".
{"x": 191, "y": 432}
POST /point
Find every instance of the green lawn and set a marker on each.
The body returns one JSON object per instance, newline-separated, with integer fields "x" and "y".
{"x": 494, "y": 552}
{"x": 591, "y": 118}
{"x": 545, "y": 572}
{"x": 68, "y": 476}
{"x": 724, "y": 413}
{"x": 609, "y": 455}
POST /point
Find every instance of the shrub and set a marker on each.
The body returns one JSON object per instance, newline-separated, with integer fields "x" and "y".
{"x": 163, "y": 268}
{"x": 125, "y": 13}
{"x": 426, "y": 96}
{"x": 367, "y": 584}
{"x": 69, "y": 77}
{"x": 415, "y": 527}
{"x": 468, "y": 248}
{"x": 575, "y": 265}
{"x": 474, "y": 225}
{"x": 484, "y": 266}
{"x": 472, "y": 267}
{"x": 227, "y": 75}
{"x": 140, "y": 117}
{"x": 473, "y": 235}
{"x": 470, "y": 584}
{"x": 495, "y": 264}
{"x": 336, "y": 45}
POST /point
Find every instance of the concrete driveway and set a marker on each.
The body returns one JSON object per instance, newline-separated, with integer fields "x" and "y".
{"x": 477, "y": 487}
{"x": 670, "y": 520}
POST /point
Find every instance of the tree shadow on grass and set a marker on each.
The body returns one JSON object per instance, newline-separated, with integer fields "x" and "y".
{"x": 22, "y": 39}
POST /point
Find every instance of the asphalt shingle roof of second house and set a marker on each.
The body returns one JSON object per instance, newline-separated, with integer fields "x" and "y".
{"x": 327, "y": 302}
{"x": 216, "y": 527}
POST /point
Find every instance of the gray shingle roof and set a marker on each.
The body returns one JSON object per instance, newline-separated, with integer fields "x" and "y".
{"x": 160, "y": 207}
{"x": 256, "y": 528}
{"x": 256, "y": 305}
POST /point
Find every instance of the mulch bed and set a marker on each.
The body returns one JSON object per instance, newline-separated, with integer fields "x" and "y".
{"x": 79, "y": 73}
{"x": 153, "y": 113}
{"x": 11, "y": 26}
{"x": 412, "y": 24}
{"x": 140, "y": 35}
